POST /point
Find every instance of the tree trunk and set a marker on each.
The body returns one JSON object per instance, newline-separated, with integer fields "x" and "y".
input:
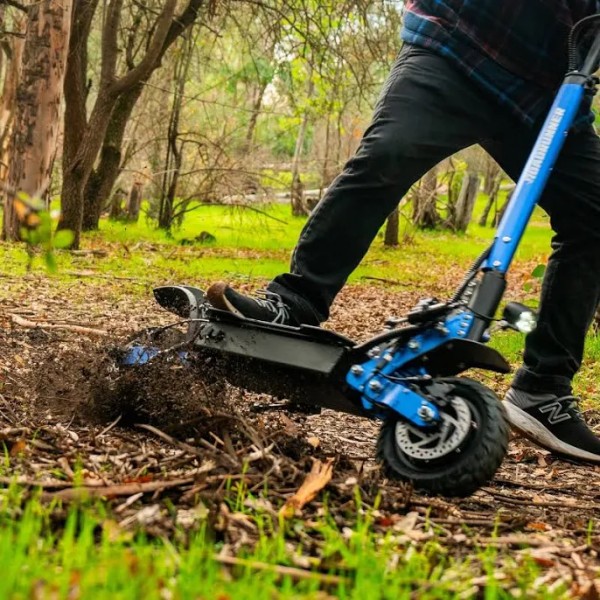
{"x": 116, "y": 205}
{"x": 500, "y": 212}
{"x": 8, "y": 103}
{"x": 492, "y": 200}
{"x": 76, "y": 172}
{"x": 392, "y": 227}
{"x": 84, "y": 138}
{"x": 134, "y": 202}
{"x": 256, "y": 110}
{"x": 425, "y": 214}
{"x": 466, "y": 202}
{"x": 102, "y": 180}
{"x": 493, "y": 173}
{"x": 299, "y": 208}
{"x": 37, "y": 117}
{"x": 76, "y": 125}
{"x": 174, "y": 155}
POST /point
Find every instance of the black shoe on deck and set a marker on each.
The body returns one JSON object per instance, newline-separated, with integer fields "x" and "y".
{"x": 268, "y": 306}
{"x": 554, "y": 423}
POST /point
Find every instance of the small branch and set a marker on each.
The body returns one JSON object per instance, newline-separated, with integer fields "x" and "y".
{"x": 239, "y": 205}
{"x": 382, "y": 280}
{"x": 41, "y": 325}
{"x": 171, "y": 440}
{"x": 93, "y": 252}
{"x": 320, "y": 475}
{"x": 142, "y": 71}
{"x": 127, "y": 489}
{"x": 293, "y": 572}
{"x": 93, "y": 275}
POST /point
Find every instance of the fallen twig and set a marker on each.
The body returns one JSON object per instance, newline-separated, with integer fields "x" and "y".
{"x": 126, "y": 489}
{"x": 171, "y": 440}
{"x": 293, "y": 572}
{"x": 43, "y": 325}
{"x": 93, "y": 275}
{"x": 92, "y": 252}
{"x": 109, "y": 427}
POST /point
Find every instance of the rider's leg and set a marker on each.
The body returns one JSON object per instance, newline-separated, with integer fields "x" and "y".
{"x": 427, "y": 111}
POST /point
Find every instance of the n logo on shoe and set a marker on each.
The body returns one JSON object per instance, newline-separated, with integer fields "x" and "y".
{"x": 555, "y": 414}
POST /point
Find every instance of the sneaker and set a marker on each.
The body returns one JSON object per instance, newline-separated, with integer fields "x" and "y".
{"x": 554, "y": 423}
{"x": 268, "y": 306}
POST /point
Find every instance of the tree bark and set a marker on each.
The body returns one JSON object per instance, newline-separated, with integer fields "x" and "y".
{"x": 466, "y": 202}
{"x": 392, "y": 227}
{"x": 425, "y": 215}
{"x": 8, "y": 103}
{"x": 37, "y": 117}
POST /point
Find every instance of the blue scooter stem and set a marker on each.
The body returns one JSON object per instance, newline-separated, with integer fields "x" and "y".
{"x": 535, "y": 176}
{"x": 529, "y": 190}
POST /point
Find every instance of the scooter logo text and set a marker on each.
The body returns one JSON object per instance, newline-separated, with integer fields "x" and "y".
{"x": 544, "y": 145}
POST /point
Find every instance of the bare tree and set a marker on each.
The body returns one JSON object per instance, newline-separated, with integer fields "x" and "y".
{"x": 84, "y": 137}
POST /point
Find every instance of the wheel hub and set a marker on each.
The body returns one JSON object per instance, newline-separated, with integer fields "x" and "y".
{"x": 429, "y": 445}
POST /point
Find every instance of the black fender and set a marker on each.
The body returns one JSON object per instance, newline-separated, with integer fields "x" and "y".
{"x": 458, "y": 355}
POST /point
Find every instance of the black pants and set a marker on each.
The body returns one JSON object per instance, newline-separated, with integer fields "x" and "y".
{"x": 429, "y": 110}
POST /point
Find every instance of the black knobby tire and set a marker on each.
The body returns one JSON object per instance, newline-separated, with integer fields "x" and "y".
{"x": 464, "y": 470}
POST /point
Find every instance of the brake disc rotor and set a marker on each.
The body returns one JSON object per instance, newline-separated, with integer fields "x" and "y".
{"x": 425, "y": 445}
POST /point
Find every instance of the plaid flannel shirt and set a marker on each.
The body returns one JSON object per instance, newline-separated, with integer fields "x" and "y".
{"x": 515, "y": 49}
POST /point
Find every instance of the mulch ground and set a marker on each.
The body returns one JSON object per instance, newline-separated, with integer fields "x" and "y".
{"x": 186, "y": 437}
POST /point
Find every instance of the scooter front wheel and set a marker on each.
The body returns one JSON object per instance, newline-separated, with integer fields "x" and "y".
{"x": 459, "y": 456}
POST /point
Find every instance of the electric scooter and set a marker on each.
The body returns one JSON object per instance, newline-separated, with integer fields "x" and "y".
{"x": 443, "y": 433}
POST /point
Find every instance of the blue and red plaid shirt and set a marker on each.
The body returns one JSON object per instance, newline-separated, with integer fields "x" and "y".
{"x": 515, "y": 49}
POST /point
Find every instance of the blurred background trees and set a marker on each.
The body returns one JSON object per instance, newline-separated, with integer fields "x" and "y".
{"x": 119, "y": 108}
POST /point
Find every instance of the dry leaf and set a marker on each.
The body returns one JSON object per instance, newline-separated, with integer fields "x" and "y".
{"x": 319, "y": 476}
{"x": 18, "y": 447}
{"x": 538, "y": 526}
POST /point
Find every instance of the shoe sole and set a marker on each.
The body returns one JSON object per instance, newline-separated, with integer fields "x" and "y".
{"x": 217, "y": 299}
{"x": 533, "y": 430}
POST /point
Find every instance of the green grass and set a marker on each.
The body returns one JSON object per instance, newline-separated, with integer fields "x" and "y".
{"x": 88, "y": 556}
{"x": 251, "y": 245}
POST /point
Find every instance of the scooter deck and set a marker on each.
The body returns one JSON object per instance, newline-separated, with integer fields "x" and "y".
{"x": 302, "y": 364}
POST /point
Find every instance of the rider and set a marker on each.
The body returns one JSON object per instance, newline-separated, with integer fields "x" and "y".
{"x": 470, "y": 72}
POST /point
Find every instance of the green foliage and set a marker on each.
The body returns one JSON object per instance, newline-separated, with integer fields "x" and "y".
{"x": 39, "y": 231}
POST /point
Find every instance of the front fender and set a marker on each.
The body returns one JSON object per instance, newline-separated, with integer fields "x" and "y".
{"x": 457, "y": 355}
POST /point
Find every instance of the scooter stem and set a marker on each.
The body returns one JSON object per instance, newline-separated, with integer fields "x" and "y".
{"x": 527, "y": 193}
